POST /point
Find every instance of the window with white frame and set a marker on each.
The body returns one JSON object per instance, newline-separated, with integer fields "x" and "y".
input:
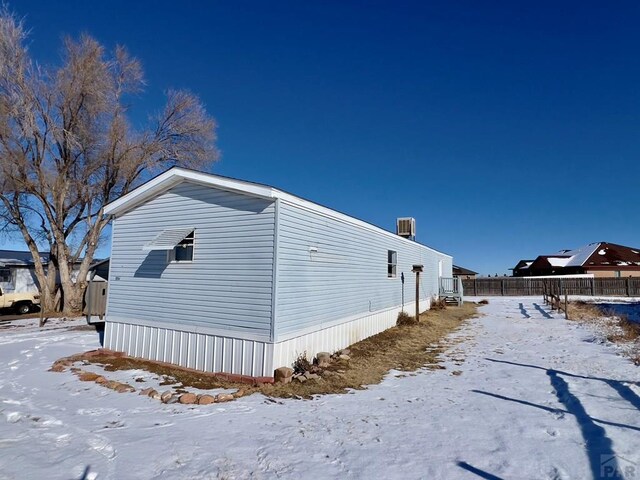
{"x": 183, "y": 251}
{"x": 392, "y": 262}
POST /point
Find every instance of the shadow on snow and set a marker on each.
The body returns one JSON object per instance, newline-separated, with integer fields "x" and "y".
{"x": 597, "y": 444}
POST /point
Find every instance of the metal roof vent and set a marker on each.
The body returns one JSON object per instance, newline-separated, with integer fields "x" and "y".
{"x": 406, "y": 227}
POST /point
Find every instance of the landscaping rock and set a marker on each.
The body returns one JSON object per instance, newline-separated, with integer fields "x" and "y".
{"x": 124, "y": 388}
{"x": 345, "y": 351}
{"x": 283, "y": 375}
{"x": 166, "y": 396}
{"x": 87, "y": 376}
{"x": 323, "y": 359}
{"x": 146, "y": 391}
{"x": 174, "y": 399}
{"x": 188, "y": 398}
{"x": 57, "y": 368}
{"x": 101, "y": 380}
{"x": 301, "y": 378}
{"x": 311, "y": 376}
{"x": 153, "y": 393}
{"x": 206, "y": 399}
{"x": 342, "y": 356}
{"x": 224, "y": 397}
{"x": 239, "y": 393}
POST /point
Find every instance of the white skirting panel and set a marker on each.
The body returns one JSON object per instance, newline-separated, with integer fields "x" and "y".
{"x": 205, "y": 352}
{"x": 339, "y": 336}
{"x": 215, "y": 353}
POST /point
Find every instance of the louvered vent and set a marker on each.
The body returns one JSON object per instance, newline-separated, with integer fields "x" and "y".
{"x": 406, "y": 227}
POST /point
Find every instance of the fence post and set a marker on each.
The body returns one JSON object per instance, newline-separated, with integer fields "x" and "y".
{"x": 628, "y": 286}
{"x": 502, "y": 287}
{"x": 475, "y": 287}
{"x": 593, "y": 287}
{"x": 566, "y": 306}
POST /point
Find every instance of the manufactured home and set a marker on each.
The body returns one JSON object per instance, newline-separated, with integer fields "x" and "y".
{"x": 224, "y": 275}
{"x": 17, "y": 271}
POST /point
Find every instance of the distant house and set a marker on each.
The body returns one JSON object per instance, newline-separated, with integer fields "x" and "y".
{"x": 463, "y": 273}
{"x": 600, "y": 259}
{"x": 17, "y": 271}
{"x": 224, "y": 275}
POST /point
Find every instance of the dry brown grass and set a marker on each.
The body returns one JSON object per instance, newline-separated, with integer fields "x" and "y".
{"x": 405, "y": 319}
{"x": 404, "y": 347}
{"x": 583, "y": 311}
{"x": 616, "y": 329}
{"x": 438, "y": 304}
{"x": 628, "y": 331}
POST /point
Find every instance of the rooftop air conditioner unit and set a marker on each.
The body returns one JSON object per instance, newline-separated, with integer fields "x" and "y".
{"x": 406, "y": 227}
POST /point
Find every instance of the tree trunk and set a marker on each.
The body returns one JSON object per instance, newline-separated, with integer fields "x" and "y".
{"x": 73, "y": 293}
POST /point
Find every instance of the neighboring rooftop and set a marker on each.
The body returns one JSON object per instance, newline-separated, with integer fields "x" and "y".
{"x": 599, "y": 256}
{"x": 461, "y": 271}
{"x": 20, "y": 257}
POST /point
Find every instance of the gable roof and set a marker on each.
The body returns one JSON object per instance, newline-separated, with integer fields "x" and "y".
{"x": 463, "y": 271}
{"x": 177, "y": 175}
{"x": 610, "y": 254}
{"x": 578, "y": 256}
{"x": 593, "y": 255}
{"x": 522, "y": 265}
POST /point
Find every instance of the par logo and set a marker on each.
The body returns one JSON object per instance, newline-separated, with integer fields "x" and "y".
{"x": 615, "y": 466}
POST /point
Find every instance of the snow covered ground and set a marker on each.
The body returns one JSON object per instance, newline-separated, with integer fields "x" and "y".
{"x": 536, "y": 397}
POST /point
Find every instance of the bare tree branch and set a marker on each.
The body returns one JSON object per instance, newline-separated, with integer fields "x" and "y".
{"x": 67, "y": 148}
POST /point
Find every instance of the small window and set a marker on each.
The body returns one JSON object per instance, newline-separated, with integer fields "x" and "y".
{"x": 183, "y": 252}
{"x": 5, "y": 275}
{"x": 392, "y": 261}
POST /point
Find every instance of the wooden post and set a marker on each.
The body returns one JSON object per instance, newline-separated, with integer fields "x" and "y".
{"x": 417, "y": 269}
{"x": 502, "y": 287}
{"x": 628, "y": 286}
{"x": 475, "y": 287}
{"x": 566, "y": 306}
{"x": 593, "y": 287}
{"x": 42, "y": 303}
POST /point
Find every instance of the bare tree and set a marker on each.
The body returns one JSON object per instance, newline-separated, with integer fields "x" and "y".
{"x": 67, "y": 148}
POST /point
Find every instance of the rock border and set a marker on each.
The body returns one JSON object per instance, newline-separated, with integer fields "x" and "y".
{"x": 167, "y": 397}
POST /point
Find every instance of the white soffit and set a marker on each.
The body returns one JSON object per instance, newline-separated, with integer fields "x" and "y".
{"x": 168, "y": 239}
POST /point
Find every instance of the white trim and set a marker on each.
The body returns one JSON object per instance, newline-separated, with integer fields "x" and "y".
{"x": 274, "y": 278}
{"x": 177, "y": 175}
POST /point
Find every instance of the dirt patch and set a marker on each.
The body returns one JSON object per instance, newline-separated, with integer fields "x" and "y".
{"x": 405, "y": 347}
{"x": 172, "y": 375}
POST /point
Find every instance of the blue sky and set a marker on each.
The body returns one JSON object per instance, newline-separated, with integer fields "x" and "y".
{"x": 507, "y": 129}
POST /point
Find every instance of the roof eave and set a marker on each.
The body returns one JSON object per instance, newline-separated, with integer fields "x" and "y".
{"x": 176, "y": 176}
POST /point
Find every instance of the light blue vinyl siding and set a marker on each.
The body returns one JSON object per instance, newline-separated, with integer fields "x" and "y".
{"x": 347, "y": 276}
{"x": 227, "y": 287}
